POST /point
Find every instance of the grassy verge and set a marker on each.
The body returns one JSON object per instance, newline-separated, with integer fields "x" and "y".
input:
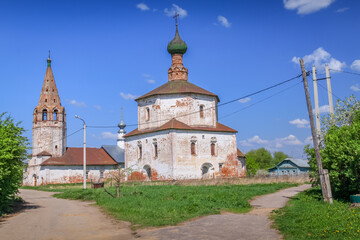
{"x": 307, "y": 217}
{"x": 171, "y": 204}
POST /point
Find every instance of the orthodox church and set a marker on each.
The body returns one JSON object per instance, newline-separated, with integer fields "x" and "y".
{"x": 52, "y": 161}
{"x": 178, "y": 134}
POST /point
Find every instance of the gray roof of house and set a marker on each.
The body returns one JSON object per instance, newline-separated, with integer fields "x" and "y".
{"x": 115, "y": 152}
{"x": 298, "y": 162}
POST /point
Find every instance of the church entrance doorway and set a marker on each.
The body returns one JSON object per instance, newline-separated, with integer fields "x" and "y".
{"x": 147, "y": 168}
{"x": 206, "y": 170}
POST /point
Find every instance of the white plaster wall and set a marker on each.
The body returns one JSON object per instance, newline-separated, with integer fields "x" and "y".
{"x": 174, "y": 158}
{"x": 165, "y": 107}
{"x": 47, "y": 135}
{"x": 62, "y": 174}
{"x": 162, "y": 164}
{"x": 187, "y": 166}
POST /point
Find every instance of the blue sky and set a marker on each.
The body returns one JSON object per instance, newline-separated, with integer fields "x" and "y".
{"x": 105, "y": 53}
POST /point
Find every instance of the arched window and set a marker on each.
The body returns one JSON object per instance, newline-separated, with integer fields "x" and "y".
{"x": 155, "y": 148}
{"x": 55, "y": 118}
{"x": 201, "y": 111}
{"x": 147, "y": 114}
{"x": 212, "y": 149}
{"x": 193, "y": 152}
{"x": 44, "y": 115}
{"x": 139, "y": 150}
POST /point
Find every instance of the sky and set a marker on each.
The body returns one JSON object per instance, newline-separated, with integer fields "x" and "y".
{"x": 106, "y": 53}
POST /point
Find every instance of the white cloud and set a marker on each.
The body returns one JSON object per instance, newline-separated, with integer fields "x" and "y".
{"x": 341, "y": 10}
{"x": 244, "y": 100}
{"x": 306, "y": 6}
{"x": 356, "y": 65}
{"x": 324, "y": 109}
{"x": 142, "y": 6}
{"x": 319, "y": 58}
{"x": 145, "y": 75}
{"x": 289, "y": 140}
{"x": 108, "y": 135}
{"x": 355, "y": 88}
{"x": 223, "y": 21}
{"x": 300, "y": 123}
{"x": 128, "y": 96}
{"x": 257, "y": 140}
{"x": 98, "y": 107}
{"x": 175, "y": 8}
{"x": 77, "y": 104}
{"x": 150, "y": 81}
{"x": 308, "y": 140}
{"x": 277, "y": 143}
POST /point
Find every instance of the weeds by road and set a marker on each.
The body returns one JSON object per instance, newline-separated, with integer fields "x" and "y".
{"x": 170, "y": 204}
{"x": 306, "y": 216}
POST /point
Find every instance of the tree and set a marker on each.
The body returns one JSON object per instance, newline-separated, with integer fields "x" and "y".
{"x": 12, "y": 153}
{"x": 118, "y": 176}
{"x": 340, "y": 148}
{"x": 260, "y": 156}
{"x": 278, "y": 157}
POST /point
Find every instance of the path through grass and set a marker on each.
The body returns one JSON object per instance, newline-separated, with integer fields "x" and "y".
{"x": 306, "y": 216}
{"x": 171, "y": 204}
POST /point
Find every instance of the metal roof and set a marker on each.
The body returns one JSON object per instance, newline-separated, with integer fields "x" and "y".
{"x": 298, "y": 162}
{"x": 115, "y": 152}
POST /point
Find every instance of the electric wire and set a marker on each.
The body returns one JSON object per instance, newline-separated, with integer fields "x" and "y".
{"x": 262, "y": 100}
{"x": 332, "y": 93}
{"x": 354, "y": 73}
{"x": 66, "y": 137}
{"x": 219, "y": 105}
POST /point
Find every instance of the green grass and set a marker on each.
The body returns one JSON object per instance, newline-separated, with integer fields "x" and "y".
{"x": 171, "y": 204}
{"x": 306, "y": 216}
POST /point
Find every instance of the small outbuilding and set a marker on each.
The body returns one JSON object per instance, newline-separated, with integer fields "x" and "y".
{"x": 290, "y": 166}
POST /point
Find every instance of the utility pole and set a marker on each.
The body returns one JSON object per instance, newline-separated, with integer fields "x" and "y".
{"x": 331, "y": 104}
{"x": 316, "y": 98}
{"x": 324, "y": 185}
{"x": 84, "y": 155}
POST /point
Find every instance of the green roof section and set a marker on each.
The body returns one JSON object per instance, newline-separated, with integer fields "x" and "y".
{"x": 177, "y": 45}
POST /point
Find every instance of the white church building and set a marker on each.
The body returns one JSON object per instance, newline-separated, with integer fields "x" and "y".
{"x": 178, "y": 134}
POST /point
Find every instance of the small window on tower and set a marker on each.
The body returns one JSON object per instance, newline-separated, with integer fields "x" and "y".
{"x": 47, "y": 90}
{"x": 54, "y": 100}
{"x": 53, "y": 90}
{"x": 55, "y": 115}
{"x": 45, "y": 99}
{"x": 201, "y": 111}
{"x": 44, "y": 115}
{"x": 147, "y": 114}
{"x": 55, "y": 147}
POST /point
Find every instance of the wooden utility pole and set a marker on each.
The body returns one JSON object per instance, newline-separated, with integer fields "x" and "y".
{"x": 316, "y": 100}
{"x": 323, "y": 184}
{"x": 331, "y": 104}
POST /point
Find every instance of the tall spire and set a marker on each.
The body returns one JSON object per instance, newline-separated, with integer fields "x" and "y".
{"x": 49, "y": 94}
{"x": 177, "y": 47}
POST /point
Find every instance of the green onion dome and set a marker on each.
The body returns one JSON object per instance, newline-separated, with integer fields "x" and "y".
{"x": 177, "y": 45}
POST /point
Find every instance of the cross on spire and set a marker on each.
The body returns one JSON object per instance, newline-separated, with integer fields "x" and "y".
{"x": 176, "y": 15}
{"x": 49, "y": 54}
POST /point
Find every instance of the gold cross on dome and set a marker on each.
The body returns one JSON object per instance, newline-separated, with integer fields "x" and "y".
{"x": 176, "y": 18}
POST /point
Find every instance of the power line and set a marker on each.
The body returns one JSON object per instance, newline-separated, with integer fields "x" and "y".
{"x": 219, "y": 105}
{"x": 262, "y": 100}
{"x": 66, "y": 137}
{"x": 354, "y": 73}
{"x": 332, "y": 93}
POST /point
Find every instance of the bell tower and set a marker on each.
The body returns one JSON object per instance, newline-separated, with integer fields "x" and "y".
{"x": 49, "y": 119}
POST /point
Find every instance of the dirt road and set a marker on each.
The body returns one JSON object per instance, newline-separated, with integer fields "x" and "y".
{"x": 46, "y": 217}
{"x": 250, "y": 226}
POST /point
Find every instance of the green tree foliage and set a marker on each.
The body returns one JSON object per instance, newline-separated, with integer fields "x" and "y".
{"x": 278, "y": 157}
{"x": 340, "y": 148}
{"x": 262, "y": 159}
{"x": 12, "y": 153}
